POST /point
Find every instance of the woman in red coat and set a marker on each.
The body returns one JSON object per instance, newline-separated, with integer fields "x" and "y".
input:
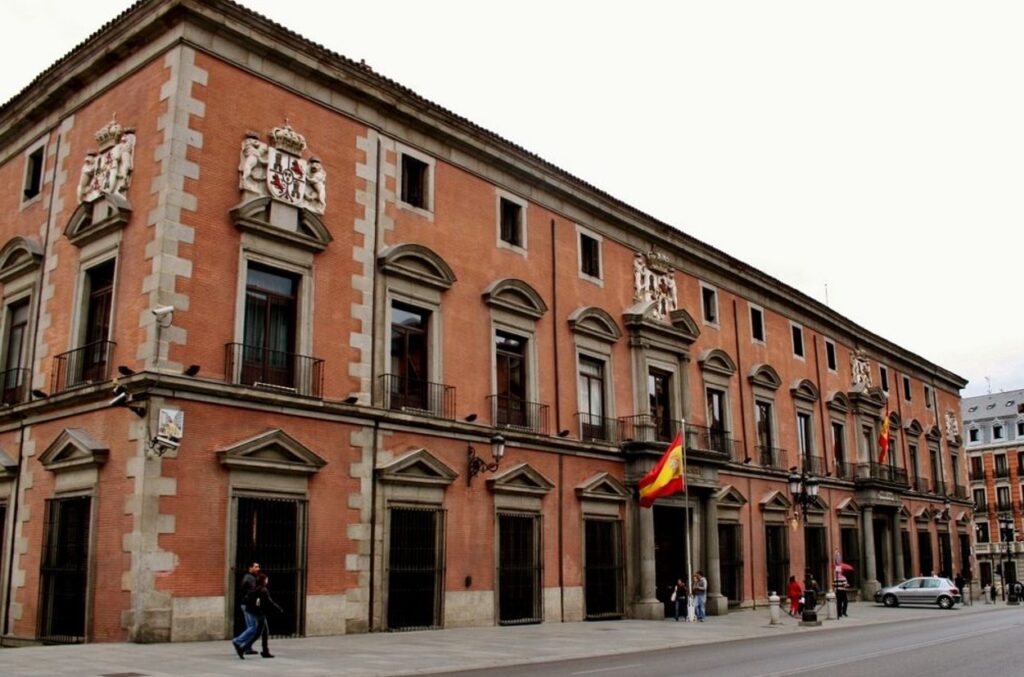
{"x": 795, "y": 592}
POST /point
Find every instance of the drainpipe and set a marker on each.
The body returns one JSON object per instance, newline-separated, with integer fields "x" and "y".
{"x": 746, "y": 448}
{"x": 373, "y": 363}
{"x": 558, "y": 421}
{"x": 825, "y": 424}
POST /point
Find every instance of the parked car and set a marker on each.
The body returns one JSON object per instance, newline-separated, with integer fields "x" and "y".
{"x": 923, "y": 590}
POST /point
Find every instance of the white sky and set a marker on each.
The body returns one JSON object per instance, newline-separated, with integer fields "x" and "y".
{"x": 873, "y": 147}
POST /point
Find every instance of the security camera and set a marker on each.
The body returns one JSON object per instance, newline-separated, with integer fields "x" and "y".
{"x": 163, "y": 311}
{"x": 121, "y": 397}
{"x": 167, "y": 442}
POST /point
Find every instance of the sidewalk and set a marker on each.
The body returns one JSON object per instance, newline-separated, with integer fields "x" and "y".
{"x": 408, "y": 653}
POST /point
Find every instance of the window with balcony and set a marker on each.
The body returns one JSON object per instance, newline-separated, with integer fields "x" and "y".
{"x": 839, "y": 450}
{"x": 1002, "y": 469}
{"x": 659, "y": 396}
{"x": 510, "y": 372}
{"x": 15, "y": 376}
{"x": 591, "y": 391}
{"x": 410, "y": 365}
{"x": 269, "y": 330}
{"x": 90, "y": 361}
{"x": 915, "y": 470}
{"x": 982, "y": 532}
{"x": 717, "y": 425}
{"x": 764, "y": 426}
{"x": 977, "y": 468}
{"x": 805, "y": 441}
{"x": 1003, "y": 499}
{"x": 936, "y": 468}
{"x": 980, "y": 501}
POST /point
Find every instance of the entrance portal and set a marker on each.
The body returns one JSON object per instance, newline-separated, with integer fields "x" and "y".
{"x": 670, "y": 530}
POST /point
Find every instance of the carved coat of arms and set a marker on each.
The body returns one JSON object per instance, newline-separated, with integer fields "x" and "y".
{"x": 653, "y": 281}
{"x": 280, "y": 172}
{"x": 108, "y": 170}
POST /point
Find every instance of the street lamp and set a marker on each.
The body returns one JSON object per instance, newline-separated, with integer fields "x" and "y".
{"x": 1006, "y": 536}
{"x": 804, "y": 489}
{"x": 478, "y": 465}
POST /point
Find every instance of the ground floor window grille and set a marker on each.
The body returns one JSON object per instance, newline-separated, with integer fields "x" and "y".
{"x": 850, "y": 539}
{"x": 603, "y": 568}
{"x": 816, "y": 555}
{"x": 777, "y": 558}
{"x": 519, "y": 569}
{"x": 65, "y": 570}
{"x": 730, "y": 558}
{"x": 924, "y": 552}
{"x": 415, "y": 568}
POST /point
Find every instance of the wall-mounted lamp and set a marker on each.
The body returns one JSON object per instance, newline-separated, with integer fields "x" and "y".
{"x": 804, "y": 490}
{"x": 478, "y": 465}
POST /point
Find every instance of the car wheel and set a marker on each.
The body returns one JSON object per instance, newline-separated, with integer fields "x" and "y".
{"x": 890, "y": 600}
{"x": 945, "y": 602}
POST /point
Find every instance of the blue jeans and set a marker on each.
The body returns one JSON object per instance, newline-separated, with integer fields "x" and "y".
{"x": 698, "y": 606}
{"x": 251, "y": 632}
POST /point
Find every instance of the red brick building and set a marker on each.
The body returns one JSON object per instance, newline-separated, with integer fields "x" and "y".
{"x": 327, "y": 302}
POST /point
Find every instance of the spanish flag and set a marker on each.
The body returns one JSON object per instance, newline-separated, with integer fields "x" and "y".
{"x": 665, "y": 478}
{"x": 883, "y": 439}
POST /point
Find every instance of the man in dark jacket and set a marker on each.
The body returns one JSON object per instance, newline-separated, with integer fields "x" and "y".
{"x": 243, "y": 642}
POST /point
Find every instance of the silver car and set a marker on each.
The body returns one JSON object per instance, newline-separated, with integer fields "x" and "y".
{"x": 924, "y": 590}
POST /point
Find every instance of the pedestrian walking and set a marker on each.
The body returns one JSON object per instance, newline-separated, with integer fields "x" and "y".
{"x": 680, "y": 595}
{"x": 795, "y": 593}
{"x": 244, "y": 639}
{"x": 842, "y": 587}
{"x": 700, "y": 591}
{"x": 260, "y": 603}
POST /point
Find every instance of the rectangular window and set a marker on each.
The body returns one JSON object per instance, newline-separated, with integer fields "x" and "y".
{"x": 709, "y": 299}
{"x": 407, "y": 386}
{"x": 907, "y": 394}
{"x": 972, "y": 435}
{"x": 914, "y": 469}
{"x": 1003, "y": 498}
{"x": 883, "y": 376}
{"x": 269, "y": 332}
{"x": 839, "y": 450}
{"x": 997, "y": 431}
{"x": 510, "y": 361}
{"x": 769, "y": 456}
{"x": 15, "y": 377}
{"x": 982, "y": 529}
{"x": 805, "y": 441}
{"x": 590, "y": 256}
{"x": 928, "y": 397}
{"x": 756, "y": 323}
{"x": 98, "y": 312}
{"x": 1002, "y": 468}
{"x": 798, "y": 340}
{"x": 415, "y": 182}
{"x": 716, "y": 410}
{"x": 659, "y": 384}
{"x": 977, "y": 468}
{"x": 1020, "y": 429}
{"x": 34, "y": 173}
{"x": 830, "y": 355}
{"x": 980, "y": 502}
{"x": 511, "y": 222}
{"x": 591, "y": 399}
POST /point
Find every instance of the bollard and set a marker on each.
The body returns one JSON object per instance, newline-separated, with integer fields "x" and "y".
{"x": 773, "y": 607}
{"x": 831, "y": 610}
{"x": 985, "y": 594}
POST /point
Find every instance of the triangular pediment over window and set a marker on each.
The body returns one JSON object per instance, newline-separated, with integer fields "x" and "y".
{"x": 924, "y": 514}
{"x": 20, "y": 256}
{"x": 602, "y": 487}
{"x": 848, "y": 507}
{"x": 521, "y": 479}
{"x": 305, "y": 229}
{"x": 817, "y": 504}
{"x": 764, "y": 375}
{"x": 74, "y": 449}
{"x": 417, "y": 467}
{"x": 903, "y": 512}
{"x": 274, "y": 451}
{"x": 729, "y": 497}
{"x": 516, "y": 297}
{"x": 595, "y": 323}
{"x": 417, "y": 263}
{"x": 94, "y": 219}
{"x": 775, "y": 501}
{"x": 8, "y": 466}
{"x": 963, "y": 518}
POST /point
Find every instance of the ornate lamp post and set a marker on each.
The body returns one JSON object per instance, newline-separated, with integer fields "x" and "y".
{"x": 1006, "y": 536}
{"x": 478, "y": 465}
{"x": 804, "y": 490}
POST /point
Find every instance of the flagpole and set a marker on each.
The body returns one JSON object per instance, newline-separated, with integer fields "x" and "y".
{"x": 690, "y": 615}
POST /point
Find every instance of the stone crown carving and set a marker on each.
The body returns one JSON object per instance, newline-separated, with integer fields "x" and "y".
{"x": 288, "y": 140}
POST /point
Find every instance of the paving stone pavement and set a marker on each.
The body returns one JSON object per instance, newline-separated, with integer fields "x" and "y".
{"x": 433, "y": 651}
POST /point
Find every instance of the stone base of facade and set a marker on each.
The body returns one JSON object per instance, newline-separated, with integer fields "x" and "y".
{"x": 716, "y": 605}
{"x": 868, "y": 590}
{"x": 325, "y": 615}
{"x": 196, "y": 619}
{"x": 649, "y": 610}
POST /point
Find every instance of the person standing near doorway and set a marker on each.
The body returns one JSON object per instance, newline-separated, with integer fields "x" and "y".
{"x": 680, "y": 596}
{"x": 700, "y": 591}
{"x": 841, "y": 586}
{"x": 259, "y": 603}
{"x": 245, "y": 639}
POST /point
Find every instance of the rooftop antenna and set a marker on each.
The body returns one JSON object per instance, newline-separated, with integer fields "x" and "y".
{"x": 826, "y": 294}
{"x": 988, "y": 383}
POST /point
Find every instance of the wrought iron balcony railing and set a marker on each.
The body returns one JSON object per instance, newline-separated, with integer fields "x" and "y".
{"x": 1001, "y": 472}
{"x": 82, "y": 366}
{"x": 846, "y": 471}
{"x": 922, "y": 484}
{"x": 708, "y": 439}
{"x": 1004, "y": 506}
{"x": 815, "y": 465}
{"x": 590, "y": 427}
{"x": 418, "y": 397}
{"x": 772, "y": 457}
{"x": 882, "y": 471}
{"x": 274, "y": 370}
{"x": 939, "y": 487}
{"x": 512, "y": 412}
{"x": 647, "y": 428}
{"x": 960, "y": 491}
{"x": 15, "y": 386}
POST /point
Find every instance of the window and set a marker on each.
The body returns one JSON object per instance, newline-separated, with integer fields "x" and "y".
{"x": 99, "y": 308}
{"x": 269, "y": 332}
{"x": 977, "y": 468}
{"x": 1002, "y": 469}
{"x": 830, "y": 355}
{"x": 34, "y": 173}
{"x": 907, "y": 395}
{"x": 972, "y": 435}
{"x": 955, "y": 464}
{"x": 765, "y": 436}
{"x": 510, "y": 215}
{"x": 591, "y": 399}
{"x": 15, "y": 377}
{"x": 716, "y": 411}
{"x": 590, "y": 256}
{"x": 980, "y": 502}
{"x": 914, "y": 469}
{"x": 756, "y": 323}
{"x": 415, "y": 182}
{"x": 883, "y": 375}
{"x": 1020, "y": 429}
{"x": 408, "y": 386}
{"x": 659, "y": 385}
{"x": 798, "y": 340}
{"x": 982, "y": 530}
{"x": 510, "y": 361}
{"x": 839, "y": 447}
{"x": 805, "y": 441}
{"x": 1003, "y": 498}
{"x": 709, "y": 299}
{"x": 997, "y": 431}
{"x": 928, "y": 397}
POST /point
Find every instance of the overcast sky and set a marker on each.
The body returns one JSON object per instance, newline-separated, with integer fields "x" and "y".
{"x": 875, "y": 149}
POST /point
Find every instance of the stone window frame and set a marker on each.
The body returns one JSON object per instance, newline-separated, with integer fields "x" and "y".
{"x": 38, "y": 146}
{"x": 717, "y": 373}
{"x": 92, "y": 256}
{"x": 883, "y": 378}
{"x": 762, "y": 323}
{"x": 805, "y": 396}
{"x": 908, "y": 394}
{"x": 581, "y": 232}
{"x": 427, "y": 211}
{"x": 798, "y": 340}
{"x": 838, "y": 410}
{"x": 20, "y": 263}
{"x": 764, "y": 385}
{"x": 833, "y": 366}
{"x": 595, "y": 334}
{"x": 523, "y": 248}
{"x": 713, "y": 295}
{"x": 516, "y": 307}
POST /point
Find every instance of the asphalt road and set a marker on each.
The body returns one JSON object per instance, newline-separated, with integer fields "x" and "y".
{"x": 988, "y": 645}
